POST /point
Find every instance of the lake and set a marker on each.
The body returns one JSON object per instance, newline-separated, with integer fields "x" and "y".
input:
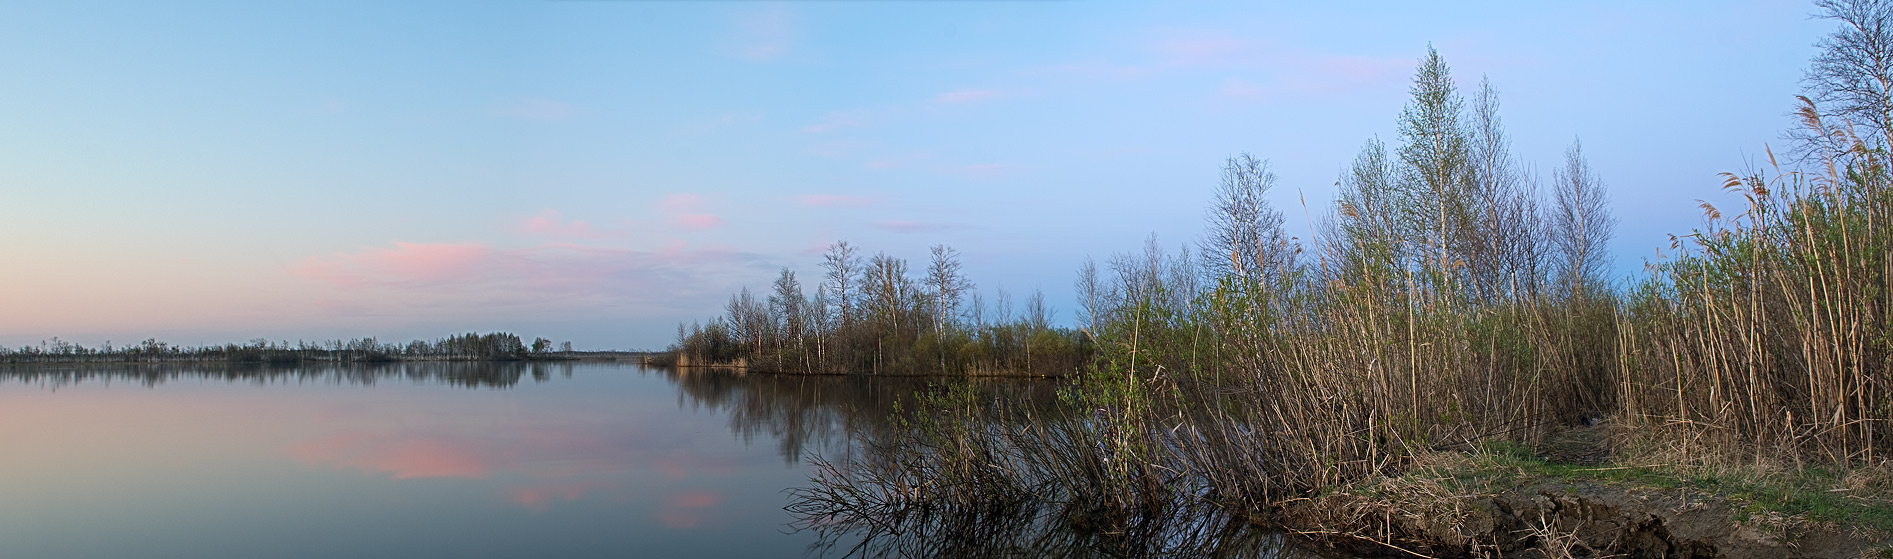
{"x": 562, "y": 459}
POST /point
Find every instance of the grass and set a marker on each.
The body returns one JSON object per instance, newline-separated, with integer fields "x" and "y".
{"x": 1861, "y": 499}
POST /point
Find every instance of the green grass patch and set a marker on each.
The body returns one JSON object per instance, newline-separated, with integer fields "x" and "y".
{"x": 1811, "y": 494}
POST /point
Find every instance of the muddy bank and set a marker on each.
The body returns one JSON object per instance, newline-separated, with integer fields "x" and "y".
{"x": 1550, "y": 519}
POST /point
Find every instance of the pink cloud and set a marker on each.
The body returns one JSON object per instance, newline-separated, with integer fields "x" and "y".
{"x": 837, "y": 200}
{"x": 966, "y": 96}
{"x": 550, "y": 223}
{"x": 539, "y": 498}
{"x": 456, "y": 279}
{"x": 982, "y": 171}
{"x": 681, "y": 202}
{"x": 697, "y": 221}
{"x": 686, "y": 509}
{"x": 686, "y": 211}
{"x": 696, "y": 500}
{"x": 405, "y": 263}
{"x": 399, "y": 457}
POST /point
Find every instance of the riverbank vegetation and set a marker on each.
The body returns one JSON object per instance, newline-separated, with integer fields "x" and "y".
{"x": 1450, "y": 302}
{"x": 872, "y": 316}
{"x": 497, "y": 346}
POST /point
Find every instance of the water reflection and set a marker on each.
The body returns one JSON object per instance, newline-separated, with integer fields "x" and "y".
{"x": 466, "y": 374}
{"x": 824, "y": 415}
{"x": 1036, "y": 530}
{"x": 390, "y": 460}
{"x": 541, "y": 459}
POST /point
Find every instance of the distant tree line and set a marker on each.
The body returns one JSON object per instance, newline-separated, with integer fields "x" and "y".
{"x": 497, "y": 346}
{"x": 463, "y": 373}
{"x": 873, "y": 315}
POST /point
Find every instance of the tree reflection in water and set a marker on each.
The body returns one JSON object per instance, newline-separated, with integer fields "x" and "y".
{"x": 465, "y": 374}
{"x": 812, "y": 415}
{"x": 878, "y": 485}
{"x": 906, "y": 467}
{"x": 867, "y": 515}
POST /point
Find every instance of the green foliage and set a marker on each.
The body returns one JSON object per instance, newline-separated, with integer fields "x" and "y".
{"x": 1448, "y": 308}
{"x": 1817, "y": 493}
{"x": 880, "y": 322}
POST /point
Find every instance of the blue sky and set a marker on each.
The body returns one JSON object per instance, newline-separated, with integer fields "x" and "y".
{"x": 600, "y": 171}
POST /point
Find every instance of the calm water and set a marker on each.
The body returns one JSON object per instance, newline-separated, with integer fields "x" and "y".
{"x": 416, "y": 460}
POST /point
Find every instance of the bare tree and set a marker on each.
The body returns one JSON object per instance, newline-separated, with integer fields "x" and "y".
{"x": 1501, "y": 244}
{"x": 749, "y": 319}
{"x": 945, "y": 285}
{"x": 978, "y": 310}
{"x": 1002, "y": 307}
{"x": 1090, "y": 298}
{"x": 1037, "y": 315}
{"x": 842, "y": 263}
{"x": 1852, "y": 77}
{"x": 1580, "y": 224}
{"x": 785, "y": 307}
{"x": 886, "y": 287}
{"x": 1245, "y": 239}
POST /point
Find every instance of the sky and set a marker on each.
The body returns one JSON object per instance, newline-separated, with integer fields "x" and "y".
{"x": 599, "y": 172}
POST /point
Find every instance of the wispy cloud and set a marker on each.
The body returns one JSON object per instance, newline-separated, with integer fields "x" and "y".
{"x": 1259, "y": 66}
{"x": 400, "y": 457}
{"x": 686, "y": 510}
{"x": 697, "y": 221}
{"x": 688, "y": 210}
{"x": 682, "y": 201}
{"x": 542, "y": 460}
{"x": 837, "y": 200}
{"x": 417, "y": 264}
{"x": 550, "y": 223}
{"x": 459, "y": 278}
{"x": 982, "y": 171}
{"x": 539, "y": 498}
{"x": 764, "y": 34}
{"x": 839, "y": 120}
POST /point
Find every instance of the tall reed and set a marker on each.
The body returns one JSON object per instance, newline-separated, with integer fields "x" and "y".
{"x": 1770, "y": 333}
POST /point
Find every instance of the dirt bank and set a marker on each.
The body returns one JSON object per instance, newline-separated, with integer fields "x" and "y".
{"x": 1555, "y": 519}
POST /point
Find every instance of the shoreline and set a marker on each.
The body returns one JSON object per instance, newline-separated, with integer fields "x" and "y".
{"x": 1505, "y": 501}
{"x": 298, "y": 360}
